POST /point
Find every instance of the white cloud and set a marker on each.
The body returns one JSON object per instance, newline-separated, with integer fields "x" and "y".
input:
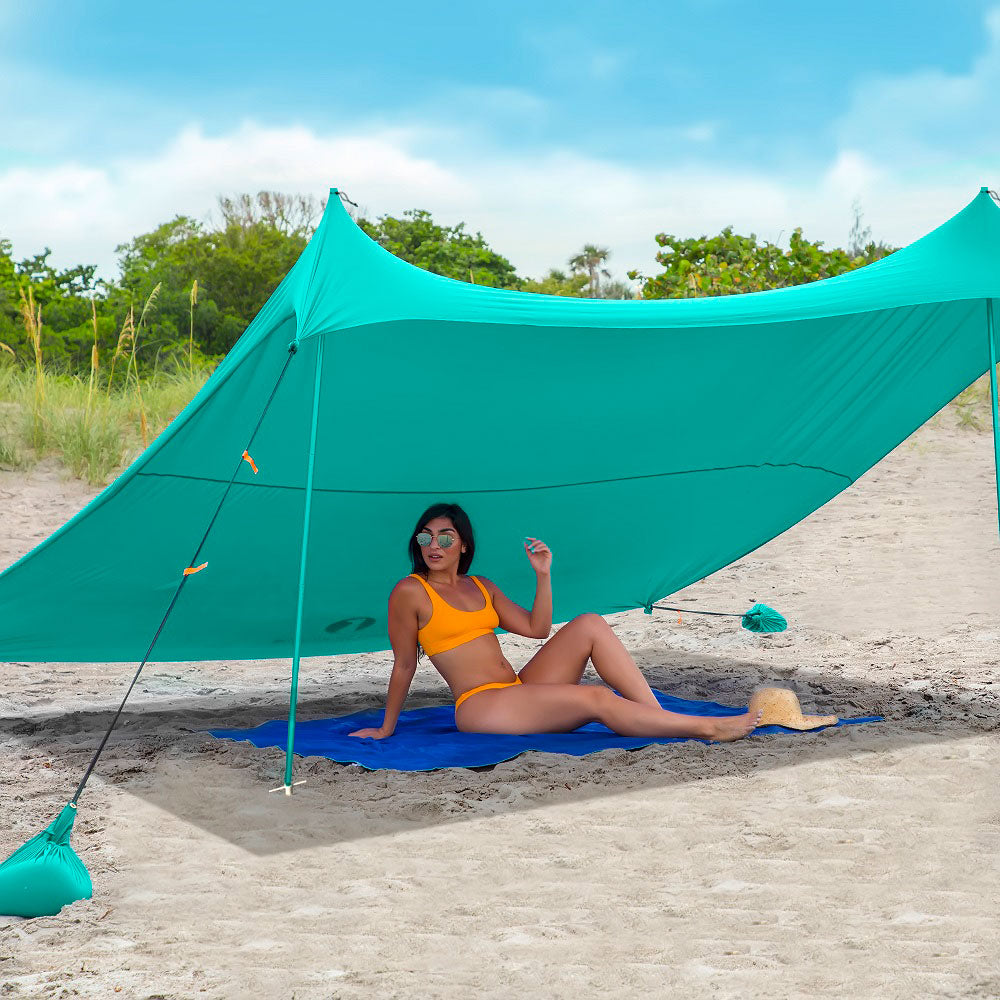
{"x": 853, "y": 175}
{"x": 82, "y": 211}
{"x": 919, "y": 120}
{"x": 537, "y": 209}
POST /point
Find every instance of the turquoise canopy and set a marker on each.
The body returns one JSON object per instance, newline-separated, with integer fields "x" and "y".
{"x": 648, "y": 443}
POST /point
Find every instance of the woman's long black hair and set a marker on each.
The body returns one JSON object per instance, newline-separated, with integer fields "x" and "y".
{"x": 463, "y": 526}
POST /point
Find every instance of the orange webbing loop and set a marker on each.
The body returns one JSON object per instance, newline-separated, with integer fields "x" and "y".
{"x": 680, "y": 621}
{"x": 247, "y": 458}
{"x": 195, "y": 569}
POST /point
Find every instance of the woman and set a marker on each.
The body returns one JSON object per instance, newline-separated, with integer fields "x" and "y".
{"x": 452, "y": 616}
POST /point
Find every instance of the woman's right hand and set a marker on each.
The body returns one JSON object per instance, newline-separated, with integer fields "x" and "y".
{"x": 370, "y": 734}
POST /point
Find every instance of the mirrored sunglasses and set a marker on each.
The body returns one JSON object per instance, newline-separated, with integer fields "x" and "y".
{"x": 424, "y": 539}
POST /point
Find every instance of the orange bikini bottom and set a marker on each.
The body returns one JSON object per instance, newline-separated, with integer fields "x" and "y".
{"x": 484, "y": 687}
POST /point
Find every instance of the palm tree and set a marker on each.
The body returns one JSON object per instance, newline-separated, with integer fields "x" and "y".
{"x": 588, "y": 261}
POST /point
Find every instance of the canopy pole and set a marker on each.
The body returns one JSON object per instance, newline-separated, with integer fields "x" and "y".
{"x": 306, "y": 518}
{"x": 992, "y": 336}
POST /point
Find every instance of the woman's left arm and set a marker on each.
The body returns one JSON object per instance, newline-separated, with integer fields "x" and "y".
{"x": 540, "y": 557}
{"x": 536, "y": 623}
{"x": 541, "y": 610}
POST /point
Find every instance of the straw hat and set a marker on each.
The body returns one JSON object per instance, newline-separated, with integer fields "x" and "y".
{"x": 781, "y": 708}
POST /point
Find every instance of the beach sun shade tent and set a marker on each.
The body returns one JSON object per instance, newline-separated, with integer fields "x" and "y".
{"x": 649, "y": 443}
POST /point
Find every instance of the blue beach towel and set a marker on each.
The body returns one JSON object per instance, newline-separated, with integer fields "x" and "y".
{"x": 426, "y": 738}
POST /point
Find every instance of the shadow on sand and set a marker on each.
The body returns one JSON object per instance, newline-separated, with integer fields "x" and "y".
{"x": 160, "y": 755}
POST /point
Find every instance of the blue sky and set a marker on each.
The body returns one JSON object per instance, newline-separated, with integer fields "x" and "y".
{"x": 544, "y": 125}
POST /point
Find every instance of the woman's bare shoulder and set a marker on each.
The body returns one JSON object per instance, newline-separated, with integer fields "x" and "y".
{"x": 405, "y": 588}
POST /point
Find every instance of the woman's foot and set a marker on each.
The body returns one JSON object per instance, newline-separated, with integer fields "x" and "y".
{"x": 733, "y": 727}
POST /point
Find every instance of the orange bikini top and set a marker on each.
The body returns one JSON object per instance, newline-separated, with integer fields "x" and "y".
{"x": 450, "y": 627}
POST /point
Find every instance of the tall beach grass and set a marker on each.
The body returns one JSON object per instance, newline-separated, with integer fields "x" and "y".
{"x": 94, "y": 433}
{"x": 95, "y": 424}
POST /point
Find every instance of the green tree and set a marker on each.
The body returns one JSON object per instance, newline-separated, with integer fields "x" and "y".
{"x": 447, "y": 250}
{"x": 557, "y": 282}
{"x": 64, "y": 297}
{"x": 588, "y": 261}
{"x": 237, "y": 269}
{"x": 172, "y": 255}
{"x": 237, "y": 264}
{"x": 9, "y": 310}
{"x": 730, "y": 264}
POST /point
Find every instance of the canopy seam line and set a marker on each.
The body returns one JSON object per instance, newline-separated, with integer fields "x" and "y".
{"x": 518, "y": 489}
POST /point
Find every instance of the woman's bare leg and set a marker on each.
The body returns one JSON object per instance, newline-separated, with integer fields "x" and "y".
{"x": 561, "y": 708}
{"x": 563, "y": 659}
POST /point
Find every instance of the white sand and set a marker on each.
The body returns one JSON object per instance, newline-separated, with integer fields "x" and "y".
{"x": 858, "y": 861}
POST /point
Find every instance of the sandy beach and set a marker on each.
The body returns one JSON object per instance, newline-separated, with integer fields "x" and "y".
{"x": 857, "y": 861}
